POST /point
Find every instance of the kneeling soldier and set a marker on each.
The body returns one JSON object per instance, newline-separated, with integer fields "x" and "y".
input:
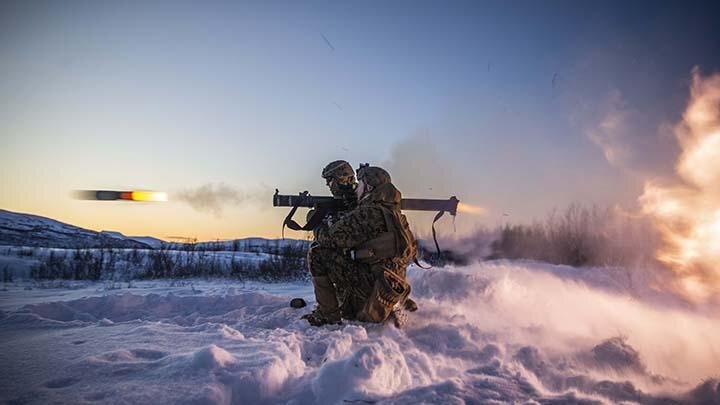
{"x": 372, "y": 247}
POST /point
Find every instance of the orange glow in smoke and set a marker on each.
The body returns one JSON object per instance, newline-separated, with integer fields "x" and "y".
{"x": 688, "y": 213}
{"x": 471, "y": 209}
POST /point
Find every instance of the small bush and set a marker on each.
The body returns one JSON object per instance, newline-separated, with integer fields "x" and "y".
{"x": 113, "y": 265}
{"x": 241, "y": 269}
{"x": 26, "y": 252}
{"x": 579, "y": 236}
{"x": 280, "y": 268}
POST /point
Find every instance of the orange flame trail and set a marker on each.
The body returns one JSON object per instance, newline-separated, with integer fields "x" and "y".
{"x": 687, "y": 214}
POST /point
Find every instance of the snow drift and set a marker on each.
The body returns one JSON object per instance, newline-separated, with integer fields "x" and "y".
{"x": 490, "y": 333}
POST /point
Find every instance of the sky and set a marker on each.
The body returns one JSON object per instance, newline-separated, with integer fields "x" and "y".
{"x": 518, "y": 107}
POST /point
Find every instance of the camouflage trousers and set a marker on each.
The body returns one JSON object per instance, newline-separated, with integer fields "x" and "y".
{"x": 353, "y": 281}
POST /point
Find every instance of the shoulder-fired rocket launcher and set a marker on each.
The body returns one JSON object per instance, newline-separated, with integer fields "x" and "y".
{"x": 327, "y": 204}
{"x": 412, "y": 204}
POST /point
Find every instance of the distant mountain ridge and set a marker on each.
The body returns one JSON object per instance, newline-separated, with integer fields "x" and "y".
{"x": 154, "y": 243}
{"x": 18, "y": 229}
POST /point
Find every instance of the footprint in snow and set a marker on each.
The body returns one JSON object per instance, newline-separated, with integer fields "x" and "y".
{"x": 148, "y": 354}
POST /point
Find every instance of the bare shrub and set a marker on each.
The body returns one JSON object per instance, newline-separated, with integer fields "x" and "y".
{"x": 52, "y": 266}
{"x": 575, "y": 236}
{"x": 25, "y": 252}
{"x": 288, "y": 264}
{"x": 160, "y": 264}
{"x": 81, "y": 264}
{"x": 579, "y": 236}
{"x": 279, "y": 268}
{"x": 124, "y": 264}
{"x": 241, "y": 269}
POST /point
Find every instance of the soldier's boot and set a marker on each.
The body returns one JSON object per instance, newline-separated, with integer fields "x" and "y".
{"x": 399, "y": 313}
{"x": 347, "y": 305}
{"x": 327, "y": 311}
{"x": 399, "y": 316}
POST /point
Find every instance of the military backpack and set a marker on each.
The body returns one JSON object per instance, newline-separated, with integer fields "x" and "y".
{"x": 397, "y": 242}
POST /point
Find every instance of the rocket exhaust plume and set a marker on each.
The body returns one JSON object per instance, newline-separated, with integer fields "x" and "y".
{"x": 687, "y": 213}
{"x": 466, "y": 208}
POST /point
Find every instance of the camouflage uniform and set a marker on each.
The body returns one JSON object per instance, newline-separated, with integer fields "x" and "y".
{"x": 325, "y": 263}
{"x": 363, "y": 224}
{"x": 347, "y": 278}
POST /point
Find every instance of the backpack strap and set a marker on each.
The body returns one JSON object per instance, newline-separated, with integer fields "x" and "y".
{"x": 392, "y": 225}
{"x": 396, "y": 221}
{"x": 314, "y": 221}
{"x": 437, "y": 216}
{"x": 415, "y": 260}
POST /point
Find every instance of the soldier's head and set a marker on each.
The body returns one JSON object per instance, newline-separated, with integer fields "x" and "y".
{"x": 340, "y": 178}
{"x": 370, "y": 178}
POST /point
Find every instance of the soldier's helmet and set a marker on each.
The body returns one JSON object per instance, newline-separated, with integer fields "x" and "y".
{"x": 372, "y": 175}
{"x": 339, "y": 170}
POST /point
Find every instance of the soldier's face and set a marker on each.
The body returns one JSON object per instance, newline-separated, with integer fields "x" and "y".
{"x": 338, "y": 188}
{"x": 333, "y": 185}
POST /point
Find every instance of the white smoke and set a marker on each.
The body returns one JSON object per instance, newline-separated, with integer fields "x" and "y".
{"x": 562, "y": 323}
{"x": 629, "y": 141}
{"x": 686, "y": 209}
{"x": 214, "y": 198}
{"x": 419, "y": 167}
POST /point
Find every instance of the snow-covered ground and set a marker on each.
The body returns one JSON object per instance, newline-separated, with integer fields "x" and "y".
{"x": 495, "y": 332}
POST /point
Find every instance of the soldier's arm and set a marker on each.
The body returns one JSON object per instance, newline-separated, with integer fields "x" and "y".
{"x": 358, "y": 226}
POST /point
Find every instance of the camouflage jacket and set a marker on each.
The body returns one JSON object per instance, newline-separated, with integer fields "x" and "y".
{"x": 324, "y": 226}
{"x": 364, "y": 223}
{"x": 330, "y": 218}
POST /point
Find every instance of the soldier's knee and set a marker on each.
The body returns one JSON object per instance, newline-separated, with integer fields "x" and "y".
{"x": 317, "y": 268}
{"x": 318, "y": 272}
{"x": 314, "y": 261}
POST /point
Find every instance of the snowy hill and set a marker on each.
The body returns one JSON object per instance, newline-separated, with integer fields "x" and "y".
{"x": 18, "y": 229}
{"x": 49, "y": 248}
{"x": 154, "y": 243}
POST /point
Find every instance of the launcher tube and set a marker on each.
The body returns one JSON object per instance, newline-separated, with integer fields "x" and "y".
{"x": 411, "y": 204}
{"x": 427, "y": 204}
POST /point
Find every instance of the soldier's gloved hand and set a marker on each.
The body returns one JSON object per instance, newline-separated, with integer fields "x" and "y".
{"x": 309, "y": 215}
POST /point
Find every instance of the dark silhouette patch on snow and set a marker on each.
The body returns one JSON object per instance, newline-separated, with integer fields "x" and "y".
{"x": 616, "y": 354}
